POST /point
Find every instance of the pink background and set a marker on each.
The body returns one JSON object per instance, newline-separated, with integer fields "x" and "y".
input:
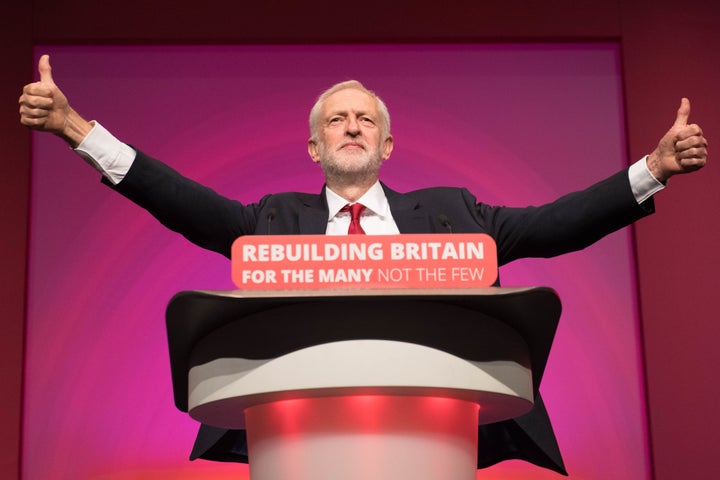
{"x": 666, "y": 53}
{"x": 516, "y": 124}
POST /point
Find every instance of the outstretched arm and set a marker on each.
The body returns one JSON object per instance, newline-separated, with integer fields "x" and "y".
{"x": 682, "y": 149}
{"x": 201, "y": 215}
{"x": 45, "y": 108}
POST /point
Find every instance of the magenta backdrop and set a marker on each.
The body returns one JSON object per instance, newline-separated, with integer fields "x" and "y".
{"x": 516, "y": 124}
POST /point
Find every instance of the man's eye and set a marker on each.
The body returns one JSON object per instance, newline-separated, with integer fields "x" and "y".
{"x": 334, "y": 120}
{"x": 366, "y": 120}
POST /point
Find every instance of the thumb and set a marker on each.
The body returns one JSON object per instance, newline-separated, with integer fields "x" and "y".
{"x": 683, "y": 113}
{"x": 45, "y": 70}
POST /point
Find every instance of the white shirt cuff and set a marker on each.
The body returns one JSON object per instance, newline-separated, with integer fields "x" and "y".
{"x": 644, "y": 185}
{"x": 106, "y": 153}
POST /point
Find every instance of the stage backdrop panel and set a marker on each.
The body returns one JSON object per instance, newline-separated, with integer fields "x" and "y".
{"x": 516, "y": 124}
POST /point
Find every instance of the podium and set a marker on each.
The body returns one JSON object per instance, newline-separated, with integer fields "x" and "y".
{"x": 362, "y": 384}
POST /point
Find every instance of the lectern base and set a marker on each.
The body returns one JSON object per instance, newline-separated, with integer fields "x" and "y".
{"x": 363, "y": 437}
{"x": 390, "y": 389}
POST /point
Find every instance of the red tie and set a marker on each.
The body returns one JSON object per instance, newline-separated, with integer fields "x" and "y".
{"x": 355, "y": 210}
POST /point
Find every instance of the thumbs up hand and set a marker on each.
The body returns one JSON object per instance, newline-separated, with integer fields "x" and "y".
{"x": 44, "y": 107}
{"x": 683, "y": 149}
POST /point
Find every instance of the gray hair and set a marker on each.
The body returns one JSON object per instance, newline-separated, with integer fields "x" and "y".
{"x": 353, "y": 84}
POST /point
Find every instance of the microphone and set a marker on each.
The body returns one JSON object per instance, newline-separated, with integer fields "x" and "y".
{"x": 271, "y": 215}
{"x": 445, "y": 222}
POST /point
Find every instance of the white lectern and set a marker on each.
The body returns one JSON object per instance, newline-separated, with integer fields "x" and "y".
{"x": 363, "y": 384}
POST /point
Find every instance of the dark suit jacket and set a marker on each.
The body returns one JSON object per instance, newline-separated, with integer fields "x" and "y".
{"x": 570, "y": 223}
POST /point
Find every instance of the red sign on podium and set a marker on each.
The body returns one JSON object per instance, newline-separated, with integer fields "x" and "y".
{"x": 408, "y": 261}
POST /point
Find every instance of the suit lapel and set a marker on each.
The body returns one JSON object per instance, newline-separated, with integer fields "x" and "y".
{"x": 313, "y": 218}
{"x": 409, "y": 215}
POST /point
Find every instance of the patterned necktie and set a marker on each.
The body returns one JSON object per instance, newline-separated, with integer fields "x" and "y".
{"x": 355, "y": 210}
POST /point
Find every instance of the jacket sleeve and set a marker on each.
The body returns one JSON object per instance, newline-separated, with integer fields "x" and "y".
{"x": 201, "y": 215}
{"x": 570, "y": 223}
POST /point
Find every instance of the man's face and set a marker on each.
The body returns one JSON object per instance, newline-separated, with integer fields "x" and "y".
{"x": 350, "y": 135}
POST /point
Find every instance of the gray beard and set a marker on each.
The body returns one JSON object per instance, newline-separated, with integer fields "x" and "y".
{"x": 336, "y": 172}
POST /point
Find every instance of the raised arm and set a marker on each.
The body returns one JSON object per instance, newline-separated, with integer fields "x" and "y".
{"x": 45, "y": 108}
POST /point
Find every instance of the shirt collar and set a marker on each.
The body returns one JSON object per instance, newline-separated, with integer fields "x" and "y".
{"x": 374, "y": 200}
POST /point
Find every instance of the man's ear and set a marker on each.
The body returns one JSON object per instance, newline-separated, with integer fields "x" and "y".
{"x": 313, "y": 150}
{"x": 387, "y": 147}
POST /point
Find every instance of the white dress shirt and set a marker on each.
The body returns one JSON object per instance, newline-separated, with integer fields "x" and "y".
{"x": 376, "y": 219}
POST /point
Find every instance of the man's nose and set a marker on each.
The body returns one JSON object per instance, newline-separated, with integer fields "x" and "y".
{"x": 352, "y": 126}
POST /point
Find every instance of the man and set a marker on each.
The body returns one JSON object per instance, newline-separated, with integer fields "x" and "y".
{"x": 350, "y": 139}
